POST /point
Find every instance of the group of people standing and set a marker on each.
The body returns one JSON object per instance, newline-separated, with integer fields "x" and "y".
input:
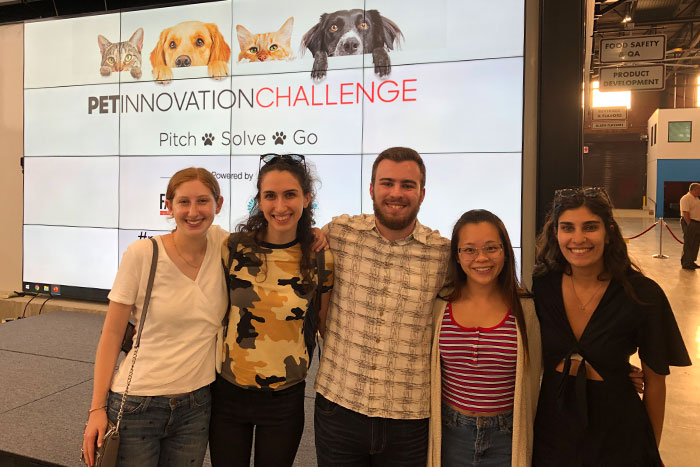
{"x": 433, "y": 353}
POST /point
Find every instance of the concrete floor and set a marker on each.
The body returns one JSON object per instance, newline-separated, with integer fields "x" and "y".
{"x": 680, "y": 446}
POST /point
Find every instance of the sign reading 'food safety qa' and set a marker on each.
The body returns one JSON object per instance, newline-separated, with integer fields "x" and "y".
{"x": 633, "y": 49}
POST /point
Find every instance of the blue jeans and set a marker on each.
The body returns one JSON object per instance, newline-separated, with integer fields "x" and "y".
{"x": 477, "y": 441}
{"x": 160, "y": 431}
{"x": 347, "y": 438}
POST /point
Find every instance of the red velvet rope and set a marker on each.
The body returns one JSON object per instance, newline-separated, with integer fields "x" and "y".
{"x": 672, "y": 234}
{"x": 647, "y": 230}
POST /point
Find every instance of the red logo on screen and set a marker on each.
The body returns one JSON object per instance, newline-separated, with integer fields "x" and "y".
{"x": 344, "y": 94}
{"x": 312, "y": 95}
{"x": 163, "y": 208}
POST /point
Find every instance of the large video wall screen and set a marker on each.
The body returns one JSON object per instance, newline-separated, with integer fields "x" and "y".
{"x": 116, "y": 103}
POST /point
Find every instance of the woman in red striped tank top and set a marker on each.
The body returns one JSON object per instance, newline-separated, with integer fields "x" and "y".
{"x": 486, "y": 360}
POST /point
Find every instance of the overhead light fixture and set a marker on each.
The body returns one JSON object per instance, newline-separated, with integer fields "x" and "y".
{"x": 627, "y": 19}
{"x": 610, "y": 99}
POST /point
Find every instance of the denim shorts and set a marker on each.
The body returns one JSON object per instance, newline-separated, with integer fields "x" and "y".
{"x": 162, "y": 431}
{"x": 476, "y": 441}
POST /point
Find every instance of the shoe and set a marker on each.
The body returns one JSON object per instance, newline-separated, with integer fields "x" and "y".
{"x": 691, "y": 268}
{"x": 695, "y": 265}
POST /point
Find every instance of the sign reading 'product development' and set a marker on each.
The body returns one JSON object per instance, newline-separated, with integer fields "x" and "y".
{"x": 632, "y": 78}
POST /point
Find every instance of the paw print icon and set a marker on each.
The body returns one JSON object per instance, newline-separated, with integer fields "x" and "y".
{"x": 208, "y": 138}
{"x": 279, "y": 137}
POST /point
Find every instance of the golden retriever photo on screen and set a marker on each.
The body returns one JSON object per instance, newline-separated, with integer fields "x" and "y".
{"x": 190, "y": 43}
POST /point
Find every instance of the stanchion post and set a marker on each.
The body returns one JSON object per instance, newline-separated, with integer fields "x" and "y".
{"x": 661, "y": 255}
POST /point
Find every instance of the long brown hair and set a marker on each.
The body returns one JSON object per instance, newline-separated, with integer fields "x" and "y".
{"x": 507, "y": 279}
{"x": 616, "y": 262}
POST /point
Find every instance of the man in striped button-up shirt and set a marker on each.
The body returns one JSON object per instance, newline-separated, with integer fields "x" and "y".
{"x": 373, "y": 385}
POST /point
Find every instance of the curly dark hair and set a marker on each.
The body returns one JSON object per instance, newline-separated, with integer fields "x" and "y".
{"x": 256, "y": 224}
{"x": 507, "y": 279}
{"x": 616, "y": 262}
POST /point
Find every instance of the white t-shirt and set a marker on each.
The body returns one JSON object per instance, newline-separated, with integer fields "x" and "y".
{"x": 691, "y": 204}
{"x": 178, "y": 342}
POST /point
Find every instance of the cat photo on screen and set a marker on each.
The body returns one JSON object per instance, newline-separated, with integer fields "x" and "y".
{"x": 121, "y": 56}
{"x": 266, "y": 46}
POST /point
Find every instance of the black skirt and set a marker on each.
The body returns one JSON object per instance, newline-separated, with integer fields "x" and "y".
{"x": 617, "y": 431}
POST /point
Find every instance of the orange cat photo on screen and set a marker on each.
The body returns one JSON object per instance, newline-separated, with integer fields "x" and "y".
{"x": 190, "y": 43}
{"x": 266, "y": 46}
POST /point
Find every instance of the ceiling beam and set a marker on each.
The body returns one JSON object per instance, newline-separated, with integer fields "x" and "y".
{"x": 686, "y": 27}
{"x": 615, "y": 27}
{"x": 611, "y": 7}
{"x": 685, "y": 55}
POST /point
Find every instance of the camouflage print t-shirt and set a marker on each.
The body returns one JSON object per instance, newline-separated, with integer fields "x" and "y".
{"x": 264, "y": 347}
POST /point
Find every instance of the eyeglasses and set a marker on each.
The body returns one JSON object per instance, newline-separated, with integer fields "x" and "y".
{"x": 272, "y": 158}
{"x": 469, "y": 252}
{"x": 586, "y": 192}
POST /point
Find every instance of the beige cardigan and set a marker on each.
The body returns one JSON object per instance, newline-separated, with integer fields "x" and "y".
{"x": 527, "y": 388}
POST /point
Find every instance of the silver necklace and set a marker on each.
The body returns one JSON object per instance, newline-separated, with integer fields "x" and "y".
{"x": 582, "y": 306}
{"x": 183, "y": 258}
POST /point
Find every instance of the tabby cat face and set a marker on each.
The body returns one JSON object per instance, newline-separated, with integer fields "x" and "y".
{"x": 121, "y": 56}
{"x": 266, "y": 46}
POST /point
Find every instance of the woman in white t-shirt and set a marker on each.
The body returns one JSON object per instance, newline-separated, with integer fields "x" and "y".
{"x": 167, "y": 410}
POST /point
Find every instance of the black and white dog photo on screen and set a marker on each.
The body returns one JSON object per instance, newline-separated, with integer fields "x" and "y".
{"x": 352, "y": 32}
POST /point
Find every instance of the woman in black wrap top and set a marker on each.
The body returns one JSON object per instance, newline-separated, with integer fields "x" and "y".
{"x": 595, "y": 310}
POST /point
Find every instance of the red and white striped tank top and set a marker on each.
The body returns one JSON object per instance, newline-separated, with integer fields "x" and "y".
{"x": 478, "y": 364}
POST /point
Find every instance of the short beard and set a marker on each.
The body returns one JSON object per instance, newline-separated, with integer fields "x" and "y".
{"x": 395, "y": 223}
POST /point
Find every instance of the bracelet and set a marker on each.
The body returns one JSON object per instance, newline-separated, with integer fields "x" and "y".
{"x": 96, "y": 409}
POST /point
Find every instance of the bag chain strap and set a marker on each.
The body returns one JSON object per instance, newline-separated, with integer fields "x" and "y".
{"x": 149, "y": 287}
{"x": 126, "y": 390}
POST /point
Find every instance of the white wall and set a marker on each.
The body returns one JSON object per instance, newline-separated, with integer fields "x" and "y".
{"x": 663, "y": 149}
{"x": 652, "y": 155}
{"x": 666, "y": 150}
{"x": 651, "y": 184}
